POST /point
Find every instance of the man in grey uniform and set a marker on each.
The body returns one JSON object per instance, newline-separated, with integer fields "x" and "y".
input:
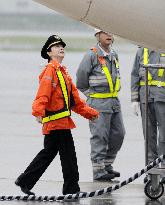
{"x": 98, "y": 78}
{"x": 156, "y": 99}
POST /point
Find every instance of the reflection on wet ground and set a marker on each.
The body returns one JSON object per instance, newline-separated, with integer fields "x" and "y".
{"x": 128, "y": 195}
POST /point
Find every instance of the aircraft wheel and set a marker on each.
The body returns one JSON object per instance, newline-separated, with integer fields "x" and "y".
{"x": 153, "y": 194}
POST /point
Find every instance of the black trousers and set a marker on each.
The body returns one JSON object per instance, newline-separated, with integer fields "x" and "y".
{"x": 57, "y": 141}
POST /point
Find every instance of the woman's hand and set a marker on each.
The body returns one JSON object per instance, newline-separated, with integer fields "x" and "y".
{"x": 94, "y": 118}
{"x": 39, "y": 119}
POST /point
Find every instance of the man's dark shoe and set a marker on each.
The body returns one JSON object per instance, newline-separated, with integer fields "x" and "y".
{"x": 24, "y": 188}
{"x": 109, "y": 169}
{"x": 105, "y": 177}
{"x": 117, "y": 174}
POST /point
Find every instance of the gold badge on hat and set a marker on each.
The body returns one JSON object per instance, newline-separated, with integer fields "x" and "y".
{"x": 57, "y": 37}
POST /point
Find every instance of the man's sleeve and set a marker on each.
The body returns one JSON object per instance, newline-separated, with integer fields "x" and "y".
{"x": 135, "y": 79}
{"x": 83, "y": 72}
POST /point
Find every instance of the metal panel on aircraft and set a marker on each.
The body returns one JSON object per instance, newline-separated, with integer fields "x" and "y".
{"x": 137, "y": 20}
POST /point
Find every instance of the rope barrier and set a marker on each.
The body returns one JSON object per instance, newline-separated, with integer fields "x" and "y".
{"x": 85, "y": 194}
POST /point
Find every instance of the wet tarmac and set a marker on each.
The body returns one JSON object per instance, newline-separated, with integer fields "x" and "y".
{"x": 21, "y": 138}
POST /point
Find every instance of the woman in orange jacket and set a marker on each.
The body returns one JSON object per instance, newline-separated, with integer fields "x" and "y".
{"x": 56, "y": 97}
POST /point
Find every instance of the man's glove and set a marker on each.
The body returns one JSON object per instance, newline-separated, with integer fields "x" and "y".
{"x": 135, "y": 107}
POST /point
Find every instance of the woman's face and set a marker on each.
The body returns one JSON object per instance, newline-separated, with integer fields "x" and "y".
{"x": 57, "y": 51}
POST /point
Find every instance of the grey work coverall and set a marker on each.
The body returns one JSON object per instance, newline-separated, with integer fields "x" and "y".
{"x": 108, "y": 130}
{"x": 156, "y": 102}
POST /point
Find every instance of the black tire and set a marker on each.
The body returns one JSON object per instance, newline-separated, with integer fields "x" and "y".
{"x": 153, "y": 194}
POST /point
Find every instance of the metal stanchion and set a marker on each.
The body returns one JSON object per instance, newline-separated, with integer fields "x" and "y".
{"x": 147, "y": 66}
{"x": 146, "y": 116}
{"x": 153, "y": 187}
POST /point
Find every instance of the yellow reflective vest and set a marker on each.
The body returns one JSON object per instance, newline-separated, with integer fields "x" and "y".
{"x": 66, "y": 111}
{"x": 152, "y": 82}
{"x": 113, "y": 88}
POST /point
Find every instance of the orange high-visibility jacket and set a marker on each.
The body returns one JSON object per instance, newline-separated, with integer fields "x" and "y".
{"x": 50, "y": 98}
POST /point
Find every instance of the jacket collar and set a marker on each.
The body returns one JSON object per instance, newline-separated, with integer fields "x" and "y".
{"x": 102, "y": 53}
{"x": 55, "y": 64}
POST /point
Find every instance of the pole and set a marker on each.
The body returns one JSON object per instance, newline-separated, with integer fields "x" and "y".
{"x": 146, "y": 116}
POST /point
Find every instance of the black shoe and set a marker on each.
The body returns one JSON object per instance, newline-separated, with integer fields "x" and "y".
{"x": 24, "y": 188}
{"x": 117, "y": 174}
{"x": 105, "y": 177}
{"x": 109, "y": 169}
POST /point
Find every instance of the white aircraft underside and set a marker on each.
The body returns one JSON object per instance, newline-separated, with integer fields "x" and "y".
{"x": 141, "y": 21}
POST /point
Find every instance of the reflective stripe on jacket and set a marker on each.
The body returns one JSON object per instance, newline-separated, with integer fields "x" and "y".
{"x": 152, "y": 82}
{"x": 65, "y": 112}
{"x": 156, "y": 89}
{"x": 113, "y": 87}
{"x": 92, "y": 79}
{"x": 50, "y": 98}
